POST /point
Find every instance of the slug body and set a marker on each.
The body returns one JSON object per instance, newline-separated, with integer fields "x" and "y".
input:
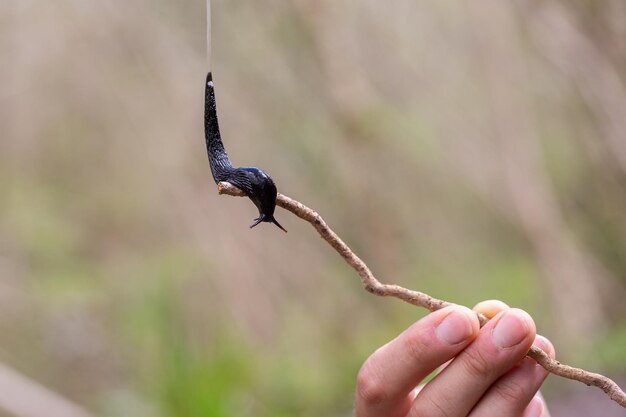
{"x": 254, "y": 182}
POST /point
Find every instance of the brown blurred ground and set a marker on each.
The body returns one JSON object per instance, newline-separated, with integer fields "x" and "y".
{"x": 472, "y": 150}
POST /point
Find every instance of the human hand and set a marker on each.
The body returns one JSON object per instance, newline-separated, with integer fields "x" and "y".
{"x": 485, "y": 372}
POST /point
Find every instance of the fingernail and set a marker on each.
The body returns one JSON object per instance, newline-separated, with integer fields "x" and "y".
{"x": 510, "y": 330}
{"x": 534, "y": 408}
{"x": 456, "y": 327}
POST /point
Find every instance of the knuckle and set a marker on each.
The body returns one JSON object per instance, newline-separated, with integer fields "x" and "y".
{"x": 370, "y": 388}
{"x": 509, "y": 391}
{"x": 476, "y": 363}
{"x": 428, "y": 406}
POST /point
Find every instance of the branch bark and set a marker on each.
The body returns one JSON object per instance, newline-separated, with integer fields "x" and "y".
{"x": 372, "y": 285}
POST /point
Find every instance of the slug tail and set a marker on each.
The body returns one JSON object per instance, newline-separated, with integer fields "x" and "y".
{"x": 273, "y": 220}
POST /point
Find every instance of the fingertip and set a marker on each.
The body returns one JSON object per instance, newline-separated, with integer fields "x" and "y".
{"x": 513, "y": 327}
{"x": 544, "y": 344}
{"x": 536, "y": 408}
{"x": 458, "y": 325}
{"x": 473, "y": 318}
{"x": 490, "y": 308}
{"x": 465, "y": 311}
{"x": 528, "y": 320}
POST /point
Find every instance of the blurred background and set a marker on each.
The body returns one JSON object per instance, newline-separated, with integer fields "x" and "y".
{"x": 472, "y": 150}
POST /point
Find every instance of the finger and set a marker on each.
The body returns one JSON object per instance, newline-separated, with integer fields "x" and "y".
{"x": 487, "y": 308}
{"x": 490, "y": 308}
{"x": 537, "y": 407}
{"x": 513, "y": 392}
{"x": 502, "y": 343}
{"x": 388, "y": 377}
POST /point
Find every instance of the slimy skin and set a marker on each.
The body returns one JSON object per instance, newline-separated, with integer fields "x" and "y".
{"x": 254, "y": 182}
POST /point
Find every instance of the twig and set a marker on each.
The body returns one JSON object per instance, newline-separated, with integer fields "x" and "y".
{"x": 371, "y": 284}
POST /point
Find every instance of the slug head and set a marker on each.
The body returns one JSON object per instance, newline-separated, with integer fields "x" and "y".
{"x": 260, "y": 188}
